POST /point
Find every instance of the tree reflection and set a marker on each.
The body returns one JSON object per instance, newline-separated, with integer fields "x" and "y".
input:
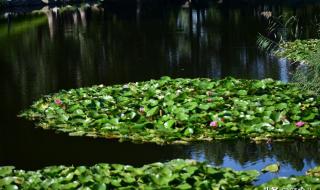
{"x": 90, "y": 45}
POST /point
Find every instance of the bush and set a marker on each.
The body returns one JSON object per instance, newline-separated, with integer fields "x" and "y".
{"x": 307, "y": 76}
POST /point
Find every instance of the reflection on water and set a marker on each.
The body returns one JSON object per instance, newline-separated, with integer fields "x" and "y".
{"x": 93, "y": 45}
{"x": 110, "y": 44}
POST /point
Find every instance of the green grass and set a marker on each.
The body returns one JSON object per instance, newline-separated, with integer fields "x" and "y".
{"x": 308, "y": 76}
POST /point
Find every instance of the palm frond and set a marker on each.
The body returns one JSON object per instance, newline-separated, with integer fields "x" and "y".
{"x": 266, "y": 44}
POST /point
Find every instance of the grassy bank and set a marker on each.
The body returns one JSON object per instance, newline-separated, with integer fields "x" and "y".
{"x": 283, "y": 39}
{"x": 307, "y": 54}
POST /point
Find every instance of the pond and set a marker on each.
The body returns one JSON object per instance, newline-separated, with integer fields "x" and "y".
{"x": 119, "y": 42}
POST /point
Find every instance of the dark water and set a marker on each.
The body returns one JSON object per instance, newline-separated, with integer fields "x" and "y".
{"x": 118, "y": 43}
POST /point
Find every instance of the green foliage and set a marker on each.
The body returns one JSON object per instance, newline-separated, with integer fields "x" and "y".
{"x": 266, "y": 44}
{"x": 308, "y": 76}
{"x": 299, "y": 182}
{"x": 182, "y": 110}
{"x": 176, "y": 174}
{"x": 298, "y": 50}
{"x": 314, "y": 172}
{"x": 302, "y": 51}
{"x": 280, "y": 29}
{"x": 282, "y": 39}
{"x": 272, "y": 168}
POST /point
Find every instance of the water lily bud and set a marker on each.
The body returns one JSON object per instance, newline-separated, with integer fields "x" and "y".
{"x": 300, "y": 123}
{"x": 58, "y": 101}
{"x": 213, "y": 124}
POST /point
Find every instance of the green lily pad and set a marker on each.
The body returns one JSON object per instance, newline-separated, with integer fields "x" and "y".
{"x": 175, "y": 174}
{"x": 6, "y": 170}
{"x": 181, "y": 110}
{"x": 314, "y": 172}
{"x": 272, "y": 168}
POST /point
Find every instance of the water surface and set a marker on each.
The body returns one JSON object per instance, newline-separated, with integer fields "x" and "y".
{"x": 118, "y": 43}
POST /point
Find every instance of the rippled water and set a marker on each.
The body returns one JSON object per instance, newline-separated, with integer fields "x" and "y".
{"x": 117, "y": 43}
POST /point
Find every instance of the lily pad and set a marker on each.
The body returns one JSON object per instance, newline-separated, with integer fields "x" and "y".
{"x": 314, "y": 172}
{"x": 178, "y": 110}
{"x": 176, "y": 174}
{"x": 272, "y": 168}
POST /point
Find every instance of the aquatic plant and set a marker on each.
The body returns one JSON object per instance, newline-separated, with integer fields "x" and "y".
{"x": 181, "y": 110}
{"x": 274, "y": 168}
{"x": 314, "y": 172}
{"x": 294, "y": 182}
{"x": 176, "y": 174}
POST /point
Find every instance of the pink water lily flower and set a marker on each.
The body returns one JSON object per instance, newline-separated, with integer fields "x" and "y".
{"x": 300, "y": 123}
{"x": 58, "y": 101}
{"x": 213, "y": 124}
{"x": 141, "y": 109}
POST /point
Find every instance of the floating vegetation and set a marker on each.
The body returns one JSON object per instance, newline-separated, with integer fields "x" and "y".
{"x": 314, "y": 172}
{"x": 182, "y": 110}
{"x": 176, "y": 174}
{"x": 298, "y": 50}
{"x": 274, "y": 168}
{"x": 299, "y": 182}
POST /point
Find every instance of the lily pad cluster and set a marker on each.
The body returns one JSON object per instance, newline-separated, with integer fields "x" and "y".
{"x": 294, "y": 182}
{"x": 298, "y": 50}
{"x": 176, "y": 174}
{"x": 182, "y": 110}
{"x": 309, "y": 181}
